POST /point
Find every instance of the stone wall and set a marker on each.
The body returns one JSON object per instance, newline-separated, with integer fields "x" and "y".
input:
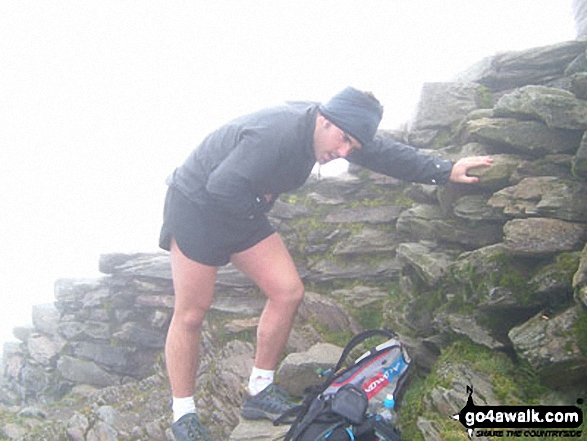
{"x": 498, "y": 270}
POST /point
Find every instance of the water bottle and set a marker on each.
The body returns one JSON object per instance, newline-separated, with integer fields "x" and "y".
{"x": 387, "y": 412}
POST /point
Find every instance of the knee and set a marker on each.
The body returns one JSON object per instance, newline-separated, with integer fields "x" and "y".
{"x": 293, "y": 293}
{"x": 298, "y": 292}
{"x": 190, "y": 320}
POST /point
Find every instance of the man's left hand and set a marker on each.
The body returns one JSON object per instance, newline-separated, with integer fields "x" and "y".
{"x": 461, "y": 168}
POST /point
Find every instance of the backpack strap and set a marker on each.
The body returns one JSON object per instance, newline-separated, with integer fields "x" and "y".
{"x": 358, "y": 339}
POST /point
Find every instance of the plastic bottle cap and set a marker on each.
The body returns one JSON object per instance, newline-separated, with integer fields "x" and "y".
{"x": 389, "y": 402}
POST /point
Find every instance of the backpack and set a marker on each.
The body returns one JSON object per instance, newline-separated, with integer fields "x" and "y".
{"x": 346, "y": 405}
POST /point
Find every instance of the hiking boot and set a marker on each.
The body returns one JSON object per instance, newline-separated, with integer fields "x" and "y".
{"x": 269, "y": 404}
{"x": 189, "y": 428}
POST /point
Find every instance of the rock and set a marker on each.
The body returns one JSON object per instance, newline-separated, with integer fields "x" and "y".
{"x": 445, "y": 104}
{"x": 519, "y": 68}
{"x": 44, "y": 349}
{"x": 371, "y": 215}
{"x": 86, "y": 372}
{"x": 579, "y": 164}
{"x": 548, "y": 165}
{"x": 12, "y": 431}
{"x": 249, "y": 430}
{"x": 428, "y": 263}
{"x": 46, "y": 318}
{"x": 475, "y": 207}
{"x": 23, "y": 333}
{"x": 552, "y": 282}
{"x": 427, "y": 222}
{"x": 580, "y": 279}
{"x": 74, "y": 330}
{"x": 497, "y": 176}
{"x": 550, "y": 345}
{"x": 367, "y": 241}
{"x": 496, "y": 281}
{"x": 241, "y": 325}
{"x": 529, "y": 137}
{"x": 544, "y": 196}
{"x": 299, "y": 371}
{"x": 326, "y": 312}
{"x": 77, "y": 427}
{"x": 543, "y": 236}
{"x": 326, "y": 270}
{"x": 429, "y": 429}
{"x": 579, "y": 85}
{"x": 117, "y": 358}
{"x": 69, "y": 293}
{"x": 154, "y": 265}
{"x": 469, "y": 326}
{"x": 422, "y": 194}
{"x": 108, "y": 415}
{"x": 230, "y": 277}
{"x": 359, "y": 296}
{"x": 32, "y": 412}
{"x": 141, "y": 335}
{"x": 557, "y": 108}
{"x": 285, "y": 210}
{"x": 102, "y": 432}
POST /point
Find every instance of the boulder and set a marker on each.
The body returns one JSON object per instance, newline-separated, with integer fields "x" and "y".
{"x": 250, "y": 430}
{"x": 426, "y": 259}
{"x": 543, "y": 236}
{"x": 367, "y": 241}
{"x": 46, "y": 318}
{"x": 445, "y": 104}
{"x": 579, "y": 164}
{"x": 154, "y": 265}
{"x": 299, "y": 371}
{"x": 551, "y": 346}
{"x": 371, "y": 215}
{"x": 544, "y": 196}
{"x": 326, "y": 313}
{"x": 499, "y": 175}
{"x": 468, "y": 325}
{"x": 326, "y": 270}
{"x": 528, "y": 137}
{"x": 580, "y": 279}
{"x": 512, "y": 69}
{"x": 475, "y": 207}
{"x": 85, "y": 372}
{"x": 45, "y": 349}
{"x": 427, "y": 222}
{"x": 557, "y": 108}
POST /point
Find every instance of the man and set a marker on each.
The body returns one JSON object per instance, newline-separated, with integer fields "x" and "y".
{"x": 215, "y": 214}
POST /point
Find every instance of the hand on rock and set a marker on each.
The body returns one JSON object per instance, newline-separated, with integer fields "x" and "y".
{"x": 461, "y": 168}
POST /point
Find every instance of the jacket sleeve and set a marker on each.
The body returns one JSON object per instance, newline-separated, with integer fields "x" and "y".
{"x": 401, "y": 161}
{"x": 233, "y": 188}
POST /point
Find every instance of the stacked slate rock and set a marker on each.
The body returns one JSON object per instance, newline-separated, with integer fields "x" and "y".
{"x": 498, "y": 270}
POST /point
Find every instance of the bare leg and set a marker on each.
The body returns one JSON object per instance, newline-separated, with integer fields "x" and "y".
{"x": 271, "y": 267}
{"x": 194, "y": 289}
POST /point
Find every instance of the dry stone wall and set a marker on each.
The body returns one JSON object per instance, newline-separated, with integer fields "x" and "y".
{"x": 498, "y": 270}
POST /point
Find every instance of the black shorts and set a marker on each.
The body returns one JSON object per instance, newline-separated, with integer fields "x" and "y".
{"x": 208, "y": 237}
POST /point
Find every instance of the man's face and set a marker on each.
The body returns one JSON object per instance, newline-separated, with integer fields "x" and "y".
{"x": 331, "y": 142}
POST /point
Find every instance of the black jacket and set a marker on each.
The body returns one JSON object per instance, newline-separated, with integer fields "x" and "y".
{"x": 271, "y": 152}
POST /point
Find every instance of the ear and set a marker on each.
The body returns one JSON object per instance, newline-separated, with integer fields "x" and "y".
{"x": 322, "y": 121}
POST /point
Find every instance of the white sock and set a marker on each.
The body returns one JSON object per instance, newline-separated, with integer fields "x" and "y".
{"x": 182, "y": 406}
{"x": 259, "y": 380}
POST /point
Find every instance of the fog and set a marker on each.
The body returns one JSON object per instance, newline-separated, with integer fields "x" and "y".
{"x": 99, "y": 101}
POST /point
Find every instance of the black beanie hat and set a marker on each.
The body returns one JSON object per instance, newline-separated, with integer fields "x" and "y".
{"x": 354, "y": 112}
